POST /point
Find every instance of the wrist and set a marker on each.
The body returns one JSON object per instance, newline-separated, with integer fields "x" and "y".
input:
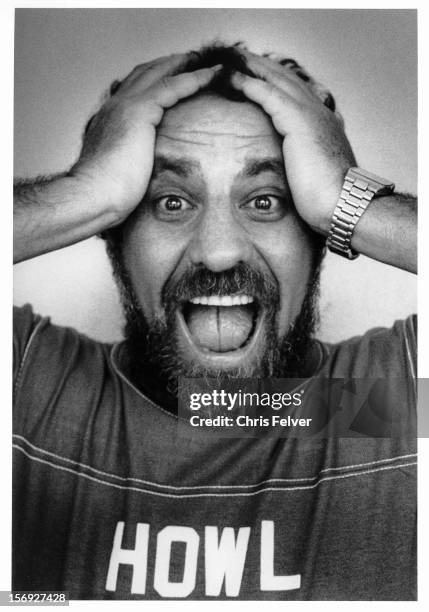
{"x": 360, "y": 187}
{"x": 94, "y": 202}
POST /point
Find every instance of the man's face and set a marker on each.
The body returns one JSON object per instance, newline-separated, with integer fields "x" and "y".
{"x": 218, "y": 201}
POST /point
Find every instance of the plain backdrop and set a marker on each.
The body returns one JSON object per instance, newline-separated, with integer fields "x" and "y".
{"x": 66, "y": 58}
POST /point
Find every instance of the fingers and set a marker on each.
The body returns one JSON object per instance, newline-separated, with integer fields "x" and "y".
{"x": 158, "y": 85}
{"x": 281, "y": 76}
{"x": 173, "y": 88}
{"x": 272, "y": 99}
{"x": 145, "y": 75}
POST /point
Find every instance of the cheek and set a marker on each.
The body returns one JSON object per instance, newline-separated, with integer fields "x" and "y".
{"x": 287, "y": 249}
{"x": 151, "y": 255}
{"x": 286, "y": 243}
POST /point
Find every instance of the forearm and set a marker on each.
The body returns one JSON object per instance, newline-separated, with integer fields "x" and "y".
{"x": 387, "y": 231}
{"x": 51, "y": 213}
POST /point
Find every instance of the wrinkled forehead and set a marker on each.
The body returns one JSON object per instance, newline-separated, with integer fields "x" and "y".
{"x": 214, "y": 131}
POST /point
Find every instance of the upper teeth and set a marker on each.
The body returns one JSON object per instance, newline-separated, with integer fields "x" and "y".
{"x": 222, "y": 300}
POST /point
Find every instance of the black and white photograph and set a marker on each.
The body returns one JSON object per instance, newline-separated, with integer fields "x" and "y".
{"x": 215, "y": 304}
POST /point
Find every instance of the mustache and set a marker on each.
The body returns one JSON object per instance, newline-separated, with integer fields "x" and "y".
{"x": 200, "y": 281}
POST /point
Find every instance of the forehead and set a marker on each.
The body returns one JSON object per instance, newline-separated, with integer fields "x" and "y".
{"x": 217, "y": 133}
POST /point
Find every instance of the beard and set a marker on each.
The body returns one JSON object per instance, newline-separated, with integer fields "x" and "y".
{"x": 151, "y": 353}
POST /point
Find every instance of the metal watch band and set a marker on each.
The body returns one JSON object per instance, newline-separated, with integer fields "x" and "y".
{"x": 358, "y": 190}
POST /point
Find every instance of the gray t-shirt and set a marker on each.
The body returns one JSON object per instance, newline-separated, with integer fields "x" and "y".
{"x": 113, "y": 501}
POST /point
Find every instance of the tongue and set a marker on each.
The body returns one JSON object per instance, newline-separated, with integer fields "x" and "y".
{"x": 220, "y": 328}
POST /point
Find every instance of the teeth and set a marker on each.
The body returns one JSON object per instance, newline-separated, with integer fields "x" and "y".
{"x": 222, "y": 300}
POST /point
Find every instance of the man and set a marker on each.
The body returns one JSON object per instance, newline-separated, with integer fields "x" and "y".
{"x": 215, "y": 178}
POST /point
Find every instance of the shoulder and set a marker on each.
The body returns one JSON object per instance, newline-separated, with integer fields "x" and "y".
{"x": 37, "y": 338}
{"x": 379, "y": 352}
{"x": 52, "y": 360}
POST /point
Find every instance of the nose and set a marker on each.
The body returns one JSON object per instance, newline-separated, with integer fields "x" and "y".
{"x": 219, "y": 241}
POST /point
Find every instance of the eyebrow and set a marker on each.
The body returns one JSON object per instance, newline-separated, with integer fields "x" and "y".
{"x": 254, "y": 167}
{"x": 182, "y": 166}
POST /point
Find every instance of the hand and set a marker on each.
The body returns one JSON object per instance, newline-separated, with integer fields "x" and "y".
{"x": 116, "y": 161}
{"x": 316, "y": 151}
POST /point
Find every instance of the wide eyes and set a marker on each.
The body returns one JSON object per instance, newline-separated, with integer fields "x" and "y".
{"x": 172, "y": 204}
{"x": 265, "y": 203}
{"x": 263, "y": 207}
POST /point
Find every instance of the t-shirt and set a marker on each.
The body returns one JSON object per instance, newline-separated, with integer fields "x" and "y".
{"x": 112, "y": 500}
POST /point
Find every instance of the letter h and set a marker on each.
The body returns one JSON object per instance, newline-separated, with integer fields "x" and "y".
{"x": 136, "y": 557}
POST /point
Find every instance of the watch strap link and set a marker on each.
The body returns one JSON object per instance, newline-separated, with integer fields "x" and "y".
{"x": 358, "y": 190}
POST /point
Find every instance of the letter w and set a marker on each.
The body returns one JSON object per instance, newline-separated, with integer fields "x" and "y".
{"x": 225, "y": 559}
{"x": 136, "y": 557}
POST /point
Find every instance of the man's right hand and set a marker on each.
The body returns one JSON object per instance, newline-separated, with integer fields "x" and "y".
{"x": 112, "y": 174}
{"x": 118, "y": 149}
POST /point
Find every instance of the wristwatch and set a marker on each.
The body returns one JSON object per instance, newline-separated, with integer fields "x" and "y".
{"x": 358, "y": 190}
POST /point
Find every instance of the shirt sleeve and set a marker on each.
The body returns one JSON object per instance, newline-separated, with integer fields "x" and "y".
{"x": 57, "y": 373}
{"x": 379, "y": 353}
{"x": 25, "y": 326}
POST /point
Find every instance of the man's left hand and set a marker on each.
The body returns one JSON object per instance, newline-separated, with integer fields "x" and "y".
{"x": 316, "y": 151}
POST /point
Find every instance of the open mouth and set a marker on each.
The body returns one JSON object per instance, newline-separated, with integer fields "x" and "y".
{"x": 221, "y": 323}
{"x": 220, "y": 328}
